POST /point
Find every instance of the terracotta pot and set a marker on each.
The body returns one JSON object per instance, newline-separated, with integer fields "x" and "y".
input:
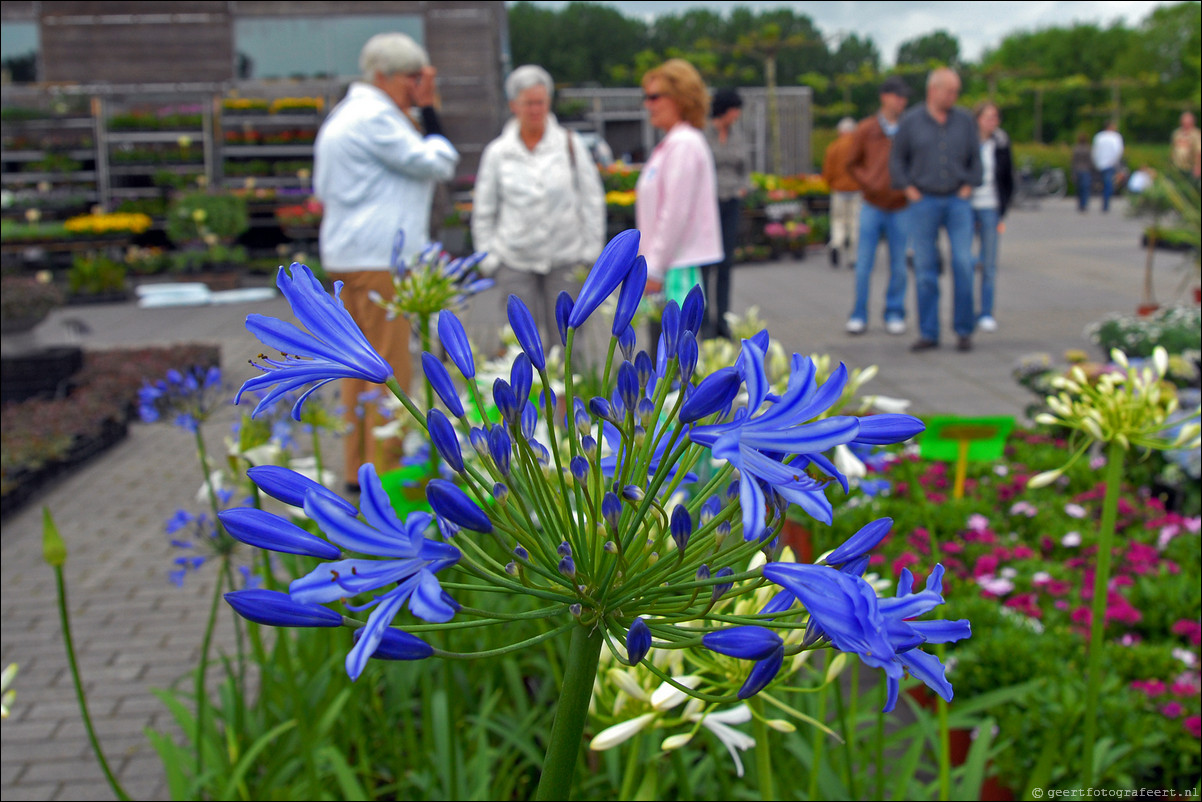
{"x": 1145, "y": 310}
{"x": 1198, "y": 295}
{"x": 798, "y": 538}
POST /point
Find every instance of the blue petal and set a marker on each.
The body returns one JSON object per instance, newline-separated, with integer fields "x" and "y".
{"x": 267, "y": 531}
{"x": 861, "y": 542}
{"x": 451, "y": 503}
{"x": 396, "y": 644}
{"x": 526, "y": 331}
{"x": 454, "y": 340}
{"x": 888, "y": 428}
{"x": 277, "y": 609}
{"x": 630, "y": 296}
{"x": 746, "y": 643}
{"x": 611, "y": 267}
{"x": 762, "y": 673}
{"x": 291, "y": 487}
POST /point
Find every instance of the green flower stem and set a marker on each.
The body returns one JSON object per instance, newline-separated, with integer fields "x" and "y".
{"x": 407, "y": 402}
{"x": 634, "y": 762}
{"x": 945, "y": 744}
{"x": 1115, "y": 458}
{"x": 571, "y": 713}
{"x": 65, "y": 618}
{"x": 517, "y": 647}
{"x": 848, "y": 734}
{"x": 763, "y": 750}
{"x": 202, "y": 670}
{"x": 423, "y": 328}
{"x": 817, "y": 742}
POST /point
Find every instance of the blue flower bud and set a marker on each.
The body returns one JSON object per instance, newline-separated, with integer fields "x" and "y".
{"x": 732, "y": 491}
{"x": 745, "y": 643}
{"x": 861, "y": 542}
{"x": 579, "y": 468}
{"x": 692, "y": 311}
{"x": 681, "y": 526}
{"x": 617, "y": 407}
{"x": 582, "y": 419}
{"x": 610, "y": 547}
{"x": 686, "y": 355}
{"x": 507, "y": 402}
{"x": 645, "y": 414}
{"x": 540, "y": 452}
{"x": 499, "y": 448}
{"x": 630, "y": 296}
{"x": 454, "y": 340}
{"x": 703, "y": 572}
{"x": 628, "y": 385}
{"x": 762, "y": 673}
{"x": 575, "y": 609}
{"x": 671, "y": 328}
{"x": 563, "y": 310}
{"x": 526, "y": 330}
{"x": 722, "y": 587}
{"x": 529, "y": 421}
{"x": 881, "y": 430}
{"x": 710, "y": 508}
{"x": 521, "y": 378}
{"x": 721, "y": 532}
{"x": 633, "y": 493}
{"x": 449, "y": 502}
{"x": 291, "y": 487}
{"x": 442, "y": 435}
{"x": 716, "y": 392}
{"x": 779, "y": 603}
{"x": 589, "y": 446}
{"x": 567, "y": 567}
{"x": 397, "y": 644}
{"x": 511, "y": 568}
{"x": 627, "y": 342}
{"x": 638, "y": 641}
{"x": 500, "y": 494}
{"x": 479, "y": 440}
{"x": 612, "y": 266}
{"x": 440, "y": 380}
{"x": 267, "y": 531}
{"x": 546, "y": 400}
{"x": 611, "y": 510}
{"x": 646, "y": 370}
{"x": 814, "y": 634}
{"x": 600, "y": 407}
{"x": 521, "y": 554}
{"x": 564, "y": 549}
{"x": 276, "y": 609}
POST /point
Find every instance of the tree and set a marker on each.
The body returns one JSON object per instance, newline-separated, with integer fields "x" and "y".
{"x": 939, "y": 47}
{"x": 581, "y": 43}
{"x": 854, "y": 54}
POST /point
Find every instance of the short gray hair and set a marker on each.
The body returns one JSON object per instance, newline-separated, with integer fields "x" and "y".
{"x": 846, "y": 125}
{"x": 390, "y": 53}
{"x": 525, "y": 77}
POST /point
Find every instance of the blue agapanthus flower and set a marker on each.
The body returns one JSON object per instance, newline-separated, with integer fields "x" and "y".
{"x": 185, "y": 397}
{"x": 774, "y": 447}
{"x": 333, "y": 347}
{"x": 405, "y": 569}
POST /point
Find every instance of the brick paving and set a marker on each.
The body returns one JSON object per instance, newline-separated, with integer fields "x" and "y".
{"x": 135, "y": 631}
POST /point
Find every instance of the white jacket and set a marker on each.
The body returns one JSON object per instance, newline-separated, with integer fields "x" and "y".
{"x": 531, "y": 210}
{"x": 374, "y": 173}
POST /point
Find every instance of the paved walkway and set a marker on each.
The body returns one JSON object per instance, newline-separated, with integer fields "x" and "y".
{"x": 135, "y": 631}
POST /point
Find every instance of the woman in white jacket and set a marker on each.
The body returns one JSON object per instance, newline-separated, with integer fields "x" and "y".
{"x": 538, "y": 209}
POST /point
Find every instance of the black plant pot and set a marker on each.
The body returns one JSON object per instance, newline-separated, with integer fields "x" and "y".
{"x": 42, "y": 372}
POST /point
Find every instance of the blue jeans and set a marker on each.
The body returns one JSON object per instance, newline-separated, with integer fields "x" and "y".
{"x": 985, "y": 221}
{"x": 874, "y": 222}
{"x": 925, "y": 217}
{"x": 1084, "y": 183}
{"x": 1107, "y": 186}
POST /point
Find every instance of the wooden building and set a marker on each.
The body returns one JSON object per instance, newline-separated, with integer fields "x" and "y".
{"x": 253, "y": 48}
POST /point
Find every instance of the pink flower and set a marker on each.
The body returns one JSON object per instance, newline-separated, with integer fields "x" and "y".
{"x": 904, "y": 561}
{"x": 1097, "y": 462}
{"x": 1023, "y": 552}
{"x": 978, "y": 522}
{"x": 1151, "y": 687}
{"x": 1182, "y": 688}
{"x": 1172, "y": 710}
{"x": 1193, "y": 725}
{"x": 986, "y": 565}
{"x": 1191, "y": 629}
{"x": 951, "y": 547}
{"x": 1027, "y": 604}
{"x": 1024, "y": 508}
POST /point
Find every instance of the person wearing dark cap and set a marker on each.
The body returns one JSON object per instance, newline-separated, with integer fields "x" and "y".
{"x": 882, "y": 212}
{"x": 733, "y": 164}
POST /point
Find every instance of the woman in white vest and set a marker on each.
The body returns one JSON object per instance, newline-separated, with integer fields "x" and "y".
{"x": 538, "y": 209}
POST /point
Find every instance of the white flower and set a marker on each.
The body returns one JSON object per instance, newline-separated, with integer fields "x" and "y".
{"x": 978, "y": 522}
{"x": 884, "y": 403}
{"x": 1074, "y": 510}
{"x": 998, "y": 586}
{"x": 1071, "y": 539}
{"x": 848, "y": 463}
{"x": 719, "y": 724}
{"x": 1185, "y": 656}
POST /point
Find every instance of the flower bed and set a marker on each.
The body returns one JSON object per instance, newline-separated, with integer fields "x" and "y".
{"x": 1020, "y": 566}
{"x": 40, "y": 439}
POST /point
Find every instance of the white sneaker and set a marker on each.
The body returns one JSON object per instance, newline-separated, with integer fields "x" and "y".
{"x": 895, "y": 326}
{"x": 987, "y": 323}
{"x": 855, "y": 326}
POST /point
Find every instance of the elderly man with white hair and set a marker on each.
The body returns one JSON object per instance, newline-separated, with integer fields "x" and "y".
{"x": 374, "y": 172}
{"x": 538, "y": 209}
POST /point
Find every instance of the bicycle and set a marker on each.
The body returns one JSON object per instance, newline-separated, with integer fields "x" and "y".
{"x": 1030, "y": 188}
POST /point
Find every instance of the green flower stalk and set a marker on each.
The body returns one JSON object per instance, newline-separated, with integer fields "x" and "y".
{"x": 1126, "y": 409}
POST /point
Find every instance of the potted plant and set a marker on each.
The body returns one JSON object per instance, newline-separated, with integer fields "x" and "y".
{"x": 26, "y": 302}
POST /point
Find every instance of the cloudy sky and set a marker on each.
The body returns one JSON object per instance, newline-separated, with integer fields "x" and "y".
{"x": 976, "y": 25}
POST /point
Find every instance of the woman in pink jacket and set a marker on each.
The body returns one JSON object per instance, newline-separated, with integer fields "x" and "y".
{"x": 677, "y": 197}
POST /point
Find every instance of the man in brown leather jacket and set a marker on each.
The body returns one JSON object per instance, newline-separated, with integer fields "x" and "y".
{"x": 882, "y": 211}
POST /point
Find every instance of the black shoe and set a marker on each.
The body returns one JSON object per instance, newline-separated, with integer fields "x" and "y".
{"x": 964, "y": 343}
{"x": 835, "y": 258}
{"x": 923, "y": 344}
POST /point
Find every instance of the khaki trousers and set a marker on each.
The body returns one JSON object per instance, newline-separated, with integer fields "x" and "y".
{"x": 390, "y": 338}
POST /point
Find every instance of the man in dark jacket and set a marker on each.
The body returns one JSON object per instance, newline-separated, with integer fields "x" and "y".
{"x": 936, "y": 159}
{"x": 882, "y": 211}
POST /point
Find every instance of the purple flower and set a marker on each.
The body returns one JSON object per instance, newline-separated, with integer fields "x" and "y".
{"x": 332, "y": 346}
